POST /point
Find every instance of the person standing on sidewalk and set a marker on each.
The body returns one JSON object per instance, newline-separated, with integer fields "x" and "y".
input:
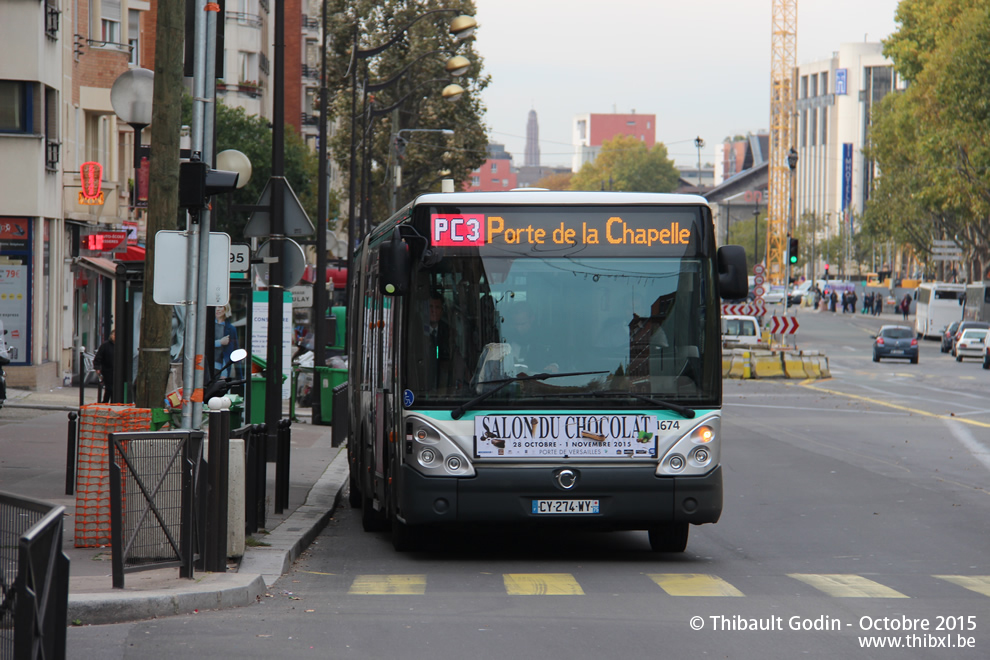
{"x": 906, "y": 305}
{"x": 103, "y": 363}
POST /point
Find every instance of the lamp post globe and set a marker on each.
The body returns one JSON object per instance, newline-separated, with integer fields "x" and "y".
{"x": 457, "y": 66}
{"x": 452, "y": 92}
{"x": 131, "y": 95}
{"x": 463, "y": 27}
{"x": 233, "y": 160}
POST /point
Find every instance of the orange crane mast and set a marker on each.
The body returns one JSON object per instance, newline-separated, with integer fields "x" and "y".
{"x": 783, "y": 61}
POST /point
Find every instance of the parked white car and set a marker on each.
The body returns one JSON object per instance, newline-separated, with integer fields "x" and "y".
{"x": 741, "y": 331}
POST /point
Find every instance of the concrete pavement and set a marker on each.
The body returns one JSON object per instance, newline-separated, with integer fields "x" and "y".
{"x": 33, "y": 439}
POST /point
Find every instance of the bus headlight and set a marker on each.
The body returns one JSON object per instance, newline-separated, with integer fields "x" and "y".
{"x": 695, "y": 453}
{"x": 433, "y": 453}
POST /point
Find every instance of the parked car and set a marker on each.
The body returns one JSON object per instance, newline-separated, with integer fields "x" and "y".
{"x": 774, "y": 295}
{"x": 741, "y": 331}
{"x": 895, "y": 341}
{"x": 949, "y": 336}
{"x": 972, "y": 343}
{"x": 962, "y": 327}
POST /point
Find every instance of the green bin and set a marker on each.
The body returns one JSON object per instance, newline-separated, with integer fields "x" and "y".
{"x": 327, "y": 379}
{"x": 258, "y": 391}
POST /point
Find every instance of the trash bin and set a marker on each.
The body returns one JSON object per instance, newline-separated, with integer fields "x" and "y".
{"x": 327, "y": 379}
{"x": 258, "y": 390}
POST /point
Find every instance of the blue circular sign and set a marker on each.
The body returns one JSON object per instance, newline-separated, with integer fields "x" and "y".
{"x": 407, "y": 398}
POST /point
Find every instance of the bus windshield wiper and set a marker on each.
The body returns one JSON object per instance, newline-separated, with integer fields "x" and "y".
{"x": 683, "y": 411}
{"x": 459, "y": 411}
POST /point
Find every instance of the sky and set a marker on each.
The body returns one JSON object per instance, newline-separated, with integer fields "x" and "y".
{"x": 701, "y": 66}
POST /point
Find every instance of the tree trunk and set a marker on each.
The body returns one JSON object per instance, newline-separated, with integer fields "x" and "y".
{"x": 163, "y": 198}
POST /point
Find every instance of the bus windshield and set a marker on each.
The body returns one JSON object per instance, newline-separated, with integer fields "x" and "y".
{"x": 638, "y": 324}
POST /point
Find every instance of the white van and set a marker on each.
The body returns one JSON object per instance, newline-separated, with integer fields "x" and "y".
{"x": 741, "y": 331}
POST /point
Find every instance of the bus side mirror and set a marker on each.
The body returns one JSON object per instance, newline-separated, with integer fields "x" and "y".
{"x": 394, "y": 266}
{"x": 732, "y": 283}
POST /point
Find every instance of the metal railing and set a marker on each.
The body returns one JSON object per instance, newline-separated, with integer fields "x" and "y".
{"x": 153, "y": 477}
{"x": 52, "y": 19}
{"x": 34, "y": 579}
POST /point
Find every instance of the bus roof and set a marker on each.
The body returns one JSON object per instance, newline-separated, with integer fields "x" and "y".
{"x": 539, "y": 196}
{"x": 948, "y": 286}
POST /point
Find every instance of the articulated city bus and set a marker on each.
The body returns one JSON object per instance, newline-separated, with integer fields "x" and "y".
{"x": 540, "y": 358}
{"x": 977, "y": 307}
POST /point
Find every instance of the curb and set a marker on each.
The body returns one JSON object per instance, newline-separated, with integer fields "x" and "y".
{"x": 259, "y": 568}
{"x": 215, "y": 591}
{"x": 295, "y": 533}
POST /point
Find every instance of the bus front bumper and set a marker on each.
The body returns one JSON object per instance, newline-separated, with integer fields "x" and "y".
{"x": 628, "y": 497}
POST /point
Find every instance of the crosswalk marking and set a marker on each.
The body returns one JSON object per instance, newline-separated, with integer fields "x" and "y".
{"x": 836, "y": 585}
{"x": 847, "y": 586}
{"x": 693, "y": 584}
{"x": 978, "y": 583}
{"x": 541, "y": 584}
{"x": 377, "y": 585}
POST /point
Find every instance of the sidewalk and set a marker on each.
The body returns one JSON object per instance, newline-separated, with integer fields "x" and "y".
{"x": 33, "y": 439}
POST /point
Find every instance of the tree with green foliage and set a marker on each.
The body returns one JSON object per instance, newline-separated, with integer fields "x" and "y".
{"x": 624, "y": 163}
{"x": 556, "y": 181}
{"x": 420, "y": 54}
{"x": 932, "y": 142}
{"x": 742, "y": 232}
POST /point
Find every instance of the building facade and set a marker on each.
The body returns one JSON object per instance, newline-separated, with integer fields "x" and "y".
{"x": 834, "y": 101}
{"x": 591, "y": 130}
{"x": 495, "y": 173}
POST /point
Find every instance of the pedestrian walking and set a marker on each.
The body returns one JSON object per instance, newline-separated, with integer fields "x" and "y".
{"x": 868, "y": 303}
{"x": 877, "y": 303}
{"x": 906, "y": 305}
{"x": 103, "y": 363}
{"x": 833, "y": 301}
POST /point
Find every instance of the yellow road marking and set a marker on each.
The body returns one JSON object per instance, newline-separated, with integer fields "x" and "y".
{"x": 376, "y": 585}
{"x": 317, "y": 573}
{"x": 693, "y": 584}
{"x": 541, "y": 584}
{"x": 978, "y": 583}
{"x": 895, "y": 406}
{"x": 846, "y": 586}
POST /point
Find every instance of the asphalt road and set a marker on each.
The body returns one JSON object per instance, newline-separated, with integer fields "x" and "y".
{"x": 856, "y": 511}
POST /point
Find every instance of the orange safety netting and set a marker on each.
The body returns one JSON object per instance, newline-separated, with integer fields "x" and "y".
{"x": 96, "y": 422}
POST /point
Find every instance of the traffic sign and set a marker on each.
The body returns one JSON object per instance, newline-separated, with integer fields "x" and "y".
{"x": 783, "y": 325}
{"x": 758, "y": 291}
{"x": 758, "y": 269}
{"x": 171, "y": 273}
{"x": 758, "y": 279}
{"x": 240, "y": 258}
{"x": 745, "y": 309}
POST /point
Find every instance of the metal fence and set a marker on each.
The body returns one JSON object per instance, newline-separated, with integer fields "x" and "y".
{"x": 152, "y": 484}
{"x": 34, "y": 579}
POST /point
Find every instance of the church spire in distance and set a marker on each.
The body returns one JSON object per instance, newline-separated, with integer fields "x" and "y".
{"x": 532, "y": 157}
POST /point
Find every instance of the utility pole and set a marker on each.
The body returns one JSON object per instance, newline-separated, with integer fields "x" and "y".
{"x": 163, "y": 199}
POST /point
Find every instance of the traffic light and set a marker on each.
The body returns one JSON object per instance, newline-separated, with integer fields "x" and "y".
{"x": 197, "y": 183}
{"x": 826, "y": 271}
{"x": 792, "y": 251}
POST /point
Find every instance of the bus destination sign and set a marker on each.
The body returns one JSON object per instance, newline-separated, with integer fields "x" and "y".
{"x": 589, "y": 227}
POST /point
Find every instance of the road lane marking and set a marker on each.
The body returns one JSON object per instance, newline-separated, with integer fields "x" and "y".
{"x": 378, "y": 585}
{"x": 541, "y": 584}
{"x": 978, "y": 583}
{"x": 693, "y": 584}
{"x": 923, "y": 413}
{"x": 974, "y": 446}
{"x": 842, "y": 585}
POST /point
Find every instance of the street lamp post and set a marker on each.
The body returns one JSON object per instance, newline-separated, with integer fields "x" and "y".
{"x": 699, "y": 144}
{"x": 462, "y": 27}
{"x": 130, "y": 97}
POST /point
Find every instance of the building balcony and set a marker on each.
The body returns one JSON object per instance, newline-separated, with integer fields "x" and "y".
{"x": 243, "y": 18}
{"x": 246, "y": 87}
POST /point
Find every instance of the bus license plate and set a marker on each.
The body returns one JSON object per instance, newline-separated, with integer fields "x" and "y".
{"x": 565, "y": 506}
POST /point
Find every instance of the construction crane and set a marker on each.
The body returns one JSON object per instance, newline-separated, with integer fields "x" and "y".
{"x": 783, "y": 61}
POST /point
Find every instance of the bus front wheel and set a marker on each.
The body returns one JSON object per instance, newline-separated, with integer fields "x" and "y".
{"x": 669, "y": 537}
